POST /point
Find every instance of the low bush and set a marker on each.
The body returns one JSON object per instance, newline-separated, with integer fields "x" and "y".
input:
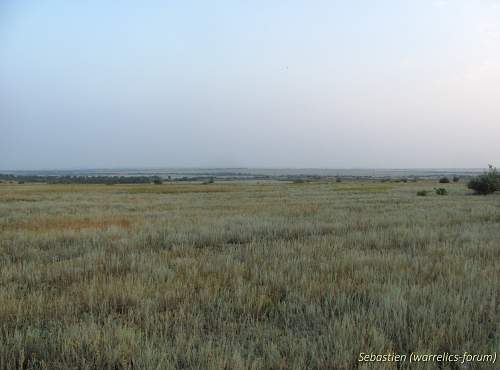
{"x": 487, "y": 183}
{"x": 441, "y": 191}
{"x": 444, "y": 180}
{"x": 422, "y": 193}
{"x": 456, "y": 179}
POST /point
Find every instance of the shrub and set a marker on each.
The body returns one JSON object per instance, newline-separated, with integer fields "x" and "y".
{"x": 208, "y": 181}
{"x": 441, "y": 191}
{"x": 422, "y": 193}
{"x": 456, "y": 179}
{"x": 444, "y": 180}
{"x": 157, "y": 181}
{"x": 338, "y": 179}
{"x": 487, "y": 183}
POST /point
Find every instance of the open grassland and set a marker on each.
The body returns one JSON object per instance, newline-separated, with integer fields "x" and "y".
{"x": 245, "y": 275}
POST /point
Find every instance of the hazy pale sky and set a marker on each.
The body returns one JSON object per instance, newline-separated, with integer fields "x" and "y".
{"x": 275, "y": 83}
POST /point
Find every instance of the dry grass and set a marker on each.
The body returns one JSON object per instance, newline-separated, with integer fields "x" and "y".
{"x": 41, "y": 225}
{"x": 244, "y": 275}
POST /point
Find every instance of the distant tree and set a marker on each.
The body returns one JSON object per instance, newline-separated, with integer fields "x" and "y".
{"x": 444, "y": 180}
{"x": 456, "y": 179}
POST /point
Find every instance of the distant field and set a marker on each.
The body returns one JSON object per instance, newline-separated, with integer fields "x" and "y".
{"x": 271, "y": 173}
{"x": 246, "y": 275}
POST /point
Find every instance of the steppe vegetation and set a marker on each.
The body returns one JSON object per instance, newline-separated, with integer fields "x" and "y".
{"x": 245, "y": 275}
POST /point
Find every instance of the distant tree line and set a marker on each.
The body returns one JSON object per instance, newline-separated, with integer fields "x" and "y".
{"x": 82, "y": 179}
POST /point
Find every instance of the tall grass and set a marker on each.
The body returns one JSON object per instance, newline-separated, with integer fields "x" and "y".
{"x": 244, "y": 276}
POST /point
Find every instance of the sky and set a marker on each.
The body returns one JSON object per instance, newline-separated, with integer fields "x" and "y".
{"x": 295, "y": 84}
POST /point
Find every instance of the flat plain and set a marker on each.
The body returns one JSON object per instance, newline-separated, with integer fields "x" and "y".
{"x": 246, "y": 275}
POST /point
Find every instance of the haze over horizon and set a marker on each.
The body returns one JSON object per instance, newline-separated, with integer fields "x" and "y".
{"x": 337, "y": 84}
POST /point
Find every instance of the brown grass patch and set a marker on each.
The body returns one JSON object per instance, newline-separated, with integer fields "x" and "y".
{"x": 59, "y": 223}
{"x": 177, "y": 188}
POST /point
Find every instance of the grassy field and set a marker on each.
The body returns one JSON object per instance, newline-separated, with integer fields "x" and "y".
{"x": 246, "y": 275}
